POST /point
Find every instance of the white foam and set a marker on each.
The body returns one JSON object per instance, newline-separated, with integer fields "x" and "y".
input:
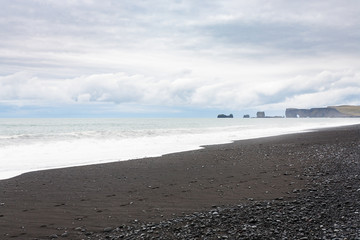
{"x": 19, "y": 154}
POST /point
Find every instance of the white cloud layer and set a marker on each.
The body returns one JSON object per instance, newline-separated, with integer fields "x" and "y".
{"x": 182, "y": 54}
{"x": 326, "y": 88}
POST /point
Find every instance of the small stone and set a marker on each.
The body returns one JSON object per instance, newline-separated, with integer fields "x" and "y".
{"x": 80, "y": 229}
{"x": 252, "y": 220}
{"x": 108, "y": 229}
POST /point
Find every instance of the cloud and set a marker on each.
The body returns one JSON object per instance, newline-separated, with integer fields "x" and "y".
{"x": 182, "y": 90}
{"x": 323, "y": 89}
{"x": 181, "y": 54}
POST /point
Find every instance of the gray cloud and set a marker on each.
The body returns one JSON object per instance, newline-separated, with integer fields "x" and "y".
{"x": 219, "y": 54}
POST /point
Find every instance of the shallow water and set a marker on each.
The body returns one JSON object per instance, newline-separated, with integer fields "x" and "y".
{"x": 36, "y": 144}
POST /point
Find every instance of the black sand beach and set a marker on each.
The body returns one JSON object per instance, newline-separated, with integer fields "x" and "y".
{"x": 298, "y": 186}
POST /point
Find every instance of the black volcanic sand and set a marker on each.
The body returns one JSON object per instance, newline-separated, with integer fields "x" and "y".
{"x": 299, "y": 186}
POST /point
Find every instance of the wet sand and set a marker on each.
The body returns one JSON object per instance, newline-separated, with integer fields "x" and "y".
{"x": 79, "y": 200}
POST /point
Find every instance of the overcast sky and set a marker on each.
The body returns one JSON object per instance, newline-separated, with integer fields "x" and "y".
{"x": 83, "y": 58}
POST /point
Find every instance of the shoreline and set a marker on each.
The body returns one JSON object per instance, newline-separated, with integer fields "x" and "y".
{"x": 88, "y": 199}
{"x": 184, "y": 142}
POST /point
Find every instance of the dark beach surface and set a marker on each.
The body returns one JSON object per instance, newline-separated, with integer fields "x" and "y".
{"x": 298, "y": 186}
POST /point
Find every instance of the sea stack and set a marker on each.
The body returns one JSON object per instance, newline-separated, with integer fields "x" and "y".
{"x": 225, "y": 116}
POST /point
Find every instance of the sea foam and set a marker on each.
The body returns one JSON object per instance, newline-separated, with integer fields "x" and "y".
{"x": 38, "y": 144}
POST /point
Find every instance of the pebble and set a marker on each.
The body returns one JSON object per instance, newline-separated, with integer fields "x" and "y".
{"x": 108, "y": 229}
{"x": 328, "y": 208}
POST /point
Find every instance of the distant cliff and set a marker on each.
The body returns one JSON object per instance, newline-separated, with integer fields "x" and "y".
{"x": 328, "y": 112}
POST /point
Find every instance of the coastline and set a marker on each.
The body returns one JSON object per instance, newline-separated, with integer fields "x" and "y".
{"x": 64, "y": 147}
{"x": 89, "y": 199}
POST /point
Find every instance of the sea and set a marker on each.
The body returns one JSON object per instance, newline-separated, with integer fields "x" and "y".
{"x": 28, "y": 145}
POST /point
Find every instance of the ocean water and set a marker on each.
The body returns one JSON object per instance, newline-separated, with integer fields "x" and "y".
{"x": 37, "y": 144}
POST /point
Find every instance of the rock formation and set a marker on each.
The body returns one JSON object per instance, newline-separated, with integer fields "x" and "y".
{"x": 328, "y": 112}
{"x": 225, "y": 116}
{"x": 260, "y": 114}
